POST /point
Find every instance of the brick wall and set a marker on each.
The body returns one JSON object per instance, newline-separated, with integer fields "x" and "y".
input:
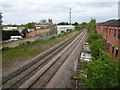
{"x": 19, "y": 42}
{"x": 31, "y": 34}
{"x": 47, "y": 31}
{"x": 119, "y": 49}
{"x": 110, "y": 38}
{"x": 99, "y": 29}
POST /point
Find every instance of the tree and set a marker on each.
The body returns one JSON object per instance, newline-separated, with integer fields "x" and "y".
{"x": 30, "y": 25}
{"x": 84, "y": 24}
{"x": 75, "y": 24}
{"x": 91, "y": 26}
{"x": 22, "y": 25}
{"x": 24, "y": 32}
{"x": 14, "y": 25}
{"x": 63, "y": 23}
{"x": 78, "y": 27}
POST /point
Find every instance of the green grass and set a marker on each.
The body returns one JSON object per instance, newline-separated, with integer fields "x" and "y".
{"x": 2, "y": 41}
{"x": 32, "y": 49}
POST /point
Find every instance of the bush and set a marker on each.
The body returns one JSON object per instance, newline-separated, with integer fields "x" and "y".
{"x": 102, "y": 73}
{"x": 78, "y": 27}
{"x": 93, "y": 37}
{"x": 95, "y": 48}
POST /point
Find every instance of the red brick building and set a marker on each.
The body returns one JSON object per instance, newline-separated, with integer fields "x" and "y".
{"x": 110, "y": 30}
{"x": 44, "y": 25}
{"x": 38, "y": 27}
{"x": 31, "y": 34}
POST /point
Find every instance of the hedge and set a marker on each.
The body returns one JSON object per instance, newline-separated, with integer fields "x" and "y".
{"x": 6, "y": 34}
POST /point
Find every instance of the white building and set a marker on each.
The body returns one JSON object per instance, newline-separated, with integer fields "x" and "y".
{"x": 64, "y": 28}
{"x": 9, "y": 28}
{"x": 12, "y": 28}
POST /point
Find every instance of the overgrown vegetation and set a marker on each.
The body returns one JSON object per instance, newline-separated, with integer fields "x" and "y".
{"x": 81, "y": 26}
{"x": 103, "y": 71}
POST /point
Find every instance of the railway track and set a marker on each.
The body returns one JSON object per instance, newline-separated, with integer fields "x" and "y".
{"x": 38, "y": 72}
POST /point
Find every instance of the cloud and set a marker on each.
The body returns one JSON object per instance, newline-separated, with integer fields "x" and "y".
{"x": 23, "y": 11}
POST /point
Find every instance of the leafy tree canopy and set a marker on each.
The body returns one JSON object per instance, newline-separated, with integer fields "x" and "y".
{"x": 75, "y": 24}
{"x": 63, "y": 23}
{"x": 30, "y": 25}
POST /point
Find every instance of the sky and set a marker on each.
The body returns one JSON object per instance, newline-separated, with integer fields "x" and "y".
{"x": 24, "y": 11}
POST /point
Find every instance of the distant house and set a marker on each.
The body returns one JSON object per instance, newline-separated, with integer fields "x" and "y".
{"x": 5, "y": 27}
{"x": 44, "y": 24}
{"x": 31, "y": 34}
{"x": 64, "y": 28}
{"x": 38, "y": 27}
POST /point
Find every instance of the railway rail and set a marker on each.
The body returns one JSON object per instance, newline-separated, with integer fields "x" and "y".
{"x": 38, "y": 72}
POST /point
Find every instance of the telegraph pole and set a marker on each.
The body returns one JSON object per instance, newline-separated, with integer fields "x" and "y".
{"x": 0, "y": 47}
{"x": 70, "y": 16}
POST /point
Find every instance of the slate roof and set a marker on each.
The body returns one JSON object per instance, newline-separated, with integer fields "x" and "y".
{"x": 45, "y": 24}
{"x": 110, "y": 23}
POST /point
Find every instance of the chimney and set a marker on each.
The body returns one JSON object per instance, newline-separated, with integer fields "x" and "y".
{"x": 49, "y": 20}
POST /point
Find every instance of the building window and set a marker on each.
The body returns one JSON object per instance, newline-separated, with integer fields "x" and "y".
{"x": 113, "y": 50}
{"x": 110, "y": 31}
{"x": 115, "y": 33}
{"x": 106, "y": 30}
{"x": 119, "y": 33}
{"x": 116, "y": 55}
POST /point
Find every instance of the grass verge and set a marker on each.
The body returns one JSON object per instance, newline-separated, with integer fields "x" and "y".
{"x": 32, "y": 49}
